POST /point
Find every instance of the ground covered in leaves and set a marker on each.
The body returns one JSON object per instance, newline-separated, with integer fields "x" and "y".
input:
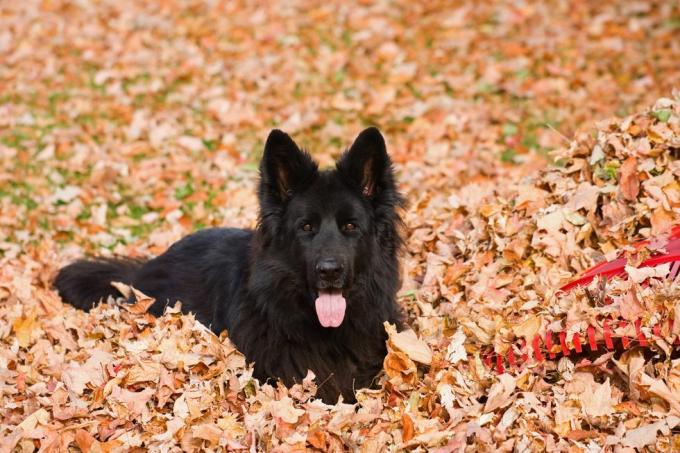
{"x": 125, "y": 125}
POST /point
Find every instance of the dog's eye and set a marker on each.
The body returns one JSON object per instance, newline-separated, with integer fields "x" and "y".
{"x": 307, "y": 227}
{"x": 349, "y": 226}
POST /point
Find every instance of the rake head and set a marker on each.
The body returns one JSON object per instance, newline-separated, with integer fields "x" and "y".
{"x": 606, "y": 332}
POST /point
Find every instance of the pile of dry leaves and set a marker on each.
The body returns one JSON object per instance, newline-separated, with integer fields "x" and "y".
{"x": 125, "y": 125}
{"x": 497, "y": 256}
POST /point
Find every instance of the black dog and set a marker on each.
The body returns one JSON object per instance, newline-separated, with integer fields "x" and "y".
{"x": 310, "y": 288}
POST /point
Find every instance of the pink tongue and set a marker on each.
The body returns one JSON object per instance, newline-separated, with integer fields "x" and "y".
{"x": 330, "y": 309}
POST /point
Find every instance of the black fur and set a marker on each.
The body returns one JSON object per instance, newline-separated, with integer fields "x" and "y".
{"x": 319, "y": 232}
{"x": 84, "y": 283}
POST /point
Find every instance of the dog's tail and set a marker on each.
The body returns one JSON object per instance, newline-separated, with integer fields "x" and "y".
{"x": 85, "y": 283}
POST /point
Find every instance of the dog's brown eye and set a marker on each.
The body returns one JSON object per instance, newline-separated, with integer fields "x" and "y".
{"x": 349, "y": 227}
{"x": 307, "y": 227}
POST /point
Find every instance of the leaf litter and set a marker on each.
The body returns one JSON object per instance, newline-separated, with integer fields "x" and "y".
{"x": 124, "y": 125}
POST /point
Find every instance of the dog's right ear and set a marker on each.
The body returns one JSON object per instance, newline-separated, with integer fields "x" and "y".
{"x": 367, "y": 165}
{"x": 285, "y": 168}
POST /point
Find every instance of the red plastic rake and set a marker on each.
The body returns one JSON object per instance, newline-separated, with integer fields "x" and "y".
{"x": 554, "y": 344}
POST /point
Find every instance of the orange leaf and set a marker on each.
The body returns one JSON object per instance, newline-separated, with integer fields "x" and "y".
{"x": 23, "y": 329}
{"x": 317, "y": 439}
{"x": 143, "y": 302}
{"x": 407, "y": 430}
{"x": 628, "y": 406}
{"x": 661, "y": 220}
{"x": 84, "y": 440}
{"x": 397, "y": 363}
{"x": 579, "y": 434}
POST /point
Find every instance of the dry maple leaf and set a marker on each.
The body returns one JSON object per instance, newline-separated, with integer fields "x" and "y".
{"x": 596, "y": 401}
{"x": 76, "y": 376}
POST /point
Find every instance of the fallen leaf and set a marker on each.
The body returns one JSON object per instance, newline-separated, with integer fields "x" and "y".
{"x": 639, "y": 275}
{"x": 84, "y": 440}
{"x": 500, "y": 393}
{"x": 136, "y": 402}
{"x": 662, "y": 220}
{"x": 143, "y": 302}
{"x": 76, "y": 376}
{"x": 25, "y": 328}
{"x": 317, "y": 439}
{"x": 528, "y": 328}
{"x": 645, "y": 435}
{"x": 207, "y": 431}
{"x": 629, "y": 183}
{"x": 456, "y": 349}
{"x": 660, "y": 389}
{"x": 407, "y": 427}
{"x": 408, "y": 342}
{"x": 597, "y": 401}
{"x": 143, "y": 371}
{"x": 40, "y": 416}
{"x": 285, "y": 410}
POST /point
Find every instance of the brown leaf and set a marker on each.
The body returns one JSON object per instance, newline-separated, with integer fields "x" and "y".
{"x": 76, "y": 376}
{"x": 40, "y": 416}
{"x": 207, "y": 431}
{"x": 68, "y": 412}
{"x": 285, "y": 410}
{"x": 645, "y": 435}
{"x": 528, "y": 328}
{"x": 631, "y": 309}
{"x": 144, "y": 371}
{"x": 662, "y": 220}
{"x": 659, "y": 388}
{"x": 408, "y": 342}
{"x": 629, "y": 183}
{"x": 500, "y": 393}
{"x": 136, "y": 402}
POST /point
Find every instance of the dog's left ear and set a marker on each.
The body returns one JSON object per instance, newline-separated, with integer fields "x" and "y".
{"x": 284, "y": 168}
{"x": 367, "y": 165}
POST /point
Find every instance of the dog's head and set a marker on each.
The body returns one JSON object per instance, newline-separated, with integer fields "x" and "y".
{"x": 328, "y": 223}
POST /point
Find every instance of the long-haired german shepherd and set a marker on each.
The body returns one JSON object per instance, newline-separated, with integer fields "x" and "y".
{"x": 309, "y": 288}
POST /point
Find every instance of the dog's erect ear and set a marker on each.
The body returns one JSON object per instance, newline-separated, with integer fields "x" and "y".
{"x": 284, "y": 167}
{"x": 366, "y": 164}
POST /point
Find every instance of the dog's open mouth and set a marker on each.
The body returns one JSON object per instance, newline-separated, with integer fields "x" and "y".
{"x": 330, "y": 307}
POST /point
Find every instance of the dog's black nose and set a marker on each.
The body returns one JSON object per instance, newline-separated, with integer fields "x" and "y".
{"x": 329, "y": 269}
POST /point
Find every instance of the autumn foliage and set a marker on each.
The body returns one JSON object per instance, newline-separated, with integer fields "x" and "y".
{"x": 532, "y": 140}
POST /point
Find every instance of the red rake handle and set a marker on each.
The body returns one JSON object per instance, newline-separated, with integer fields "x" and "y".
{"x": 617, "y": 267}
